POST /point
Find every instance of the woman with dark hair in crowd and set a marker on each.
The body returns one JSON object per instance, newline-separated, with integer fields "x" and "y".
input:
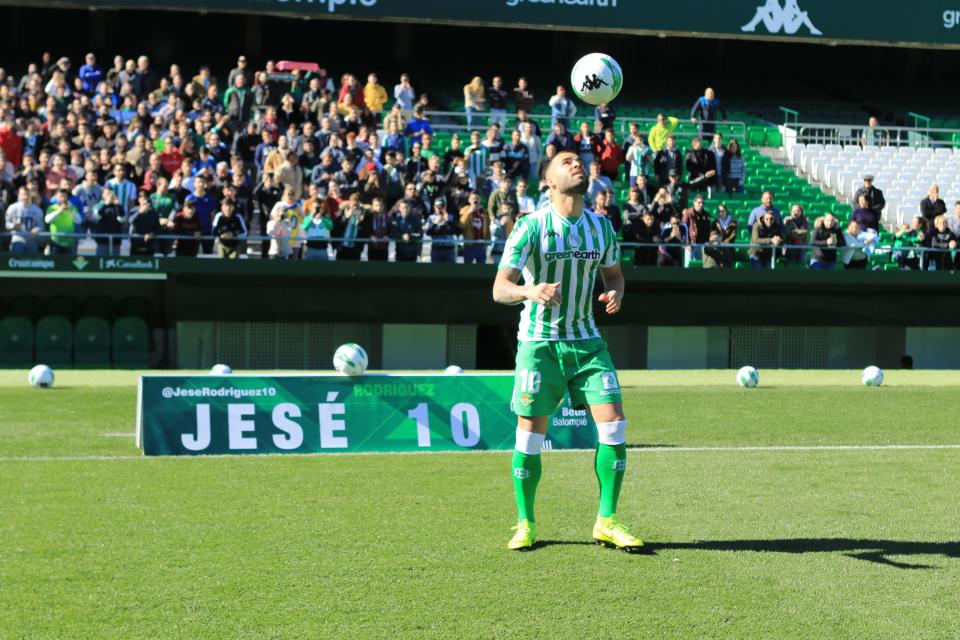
{"x": 725, "y": 226}
{"x": 734, "y": 168}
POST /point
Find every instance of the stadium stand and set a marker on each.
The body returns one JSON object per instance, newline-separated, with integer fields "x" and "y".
{"x": 903, "y": 173}
{"x": 194, "y": 145}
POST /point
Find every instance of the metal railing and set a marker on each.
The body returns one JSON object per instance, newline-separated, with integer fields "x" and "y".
{"x": 859, "y": 134}
{"x": 921, "y": 254}
{"x": 790, "y": 117}
{"x": 456, "y": 122}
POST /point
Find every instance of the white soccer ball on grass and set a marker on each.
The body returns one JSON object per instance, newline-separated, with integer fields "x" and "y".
{"x": 350, "y": 359}
{"x": 41, "y": 377}
{"x": 596, "y": 78}
{"x": 872, "y": 376}
{"x": 748, "y": 377}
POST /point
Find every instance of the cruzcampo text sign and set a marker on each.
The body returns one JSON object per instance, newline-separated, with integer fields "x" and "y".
{"x": 247, "y": 414}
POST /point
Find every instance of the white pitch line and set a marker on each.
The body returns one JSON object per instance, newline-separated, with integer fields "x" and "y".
{"x": 636, "y": 450}
{"x": 814, "y": 447}
{"x": 119, "y": 435}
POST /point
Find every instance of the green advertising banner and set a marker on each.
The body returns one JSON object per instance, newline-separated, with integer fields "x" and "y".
{"x": 924, "y": 22}
{"x": 250, "y": 414}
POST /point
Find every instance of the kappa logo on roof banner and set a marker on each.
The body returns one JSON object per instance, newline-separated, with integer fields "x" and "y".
{"x": 786, "y": 19}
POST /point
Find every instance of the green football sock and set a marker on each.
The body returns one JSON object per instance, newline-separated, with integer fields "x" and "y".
{"x": 526, "y": 476}
{"x": 610, "y": 463}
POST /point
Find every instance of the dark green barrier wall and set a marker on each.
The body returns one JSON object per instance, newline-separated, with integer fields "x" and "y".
{"x": 423, "y": 293}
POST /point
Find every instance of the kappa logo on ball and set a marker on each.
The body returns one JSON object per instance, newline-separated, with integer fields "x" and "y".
{"x": 520, "y": 473}
{"x": 609, "y": 380}
{"x": 593, "y": 82}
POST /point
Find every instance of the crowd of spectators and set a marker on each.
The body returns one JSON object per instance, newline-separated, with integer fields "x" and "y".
{"x": 187, "y": 164}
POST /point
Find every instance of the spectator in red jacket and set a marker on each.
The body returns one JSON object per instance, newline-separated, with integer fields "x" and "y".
{"x": 350, "y": 86}
{"x": 611, "y": 155}
{"x": 170, "y": 157}
{"x": 11, "y": 142}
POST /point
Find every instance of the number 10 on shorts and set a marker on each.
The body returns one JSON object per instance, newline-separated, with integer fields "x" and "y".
{"x": 529, "y": 381}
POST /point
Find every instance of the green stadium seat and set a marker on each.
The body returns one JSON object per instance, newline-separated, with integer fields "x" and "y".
{"x": 131, "y": 343}
{"x": 16, "y": 342}
{"x": 91, "y": 343}
{"x": 53, "y": 341}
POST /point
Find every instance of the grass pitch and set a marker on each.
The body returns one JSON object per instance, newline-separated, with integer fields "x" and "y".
{"x": 806, "y": 535}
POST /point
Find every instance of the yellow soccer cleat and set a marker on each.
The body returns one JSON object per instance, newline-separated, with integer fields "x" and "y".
{"x": 609, "y": 532}
{"x": 525, "y": 536}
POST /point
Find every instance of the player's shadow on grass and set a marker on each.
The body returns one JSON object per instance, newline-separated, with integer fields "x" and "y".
{"x": 878, "y": 551}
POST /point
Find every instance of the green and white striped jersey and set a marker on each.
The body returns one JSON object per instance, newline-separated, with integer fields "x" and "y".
{"x": 546, "y": 247}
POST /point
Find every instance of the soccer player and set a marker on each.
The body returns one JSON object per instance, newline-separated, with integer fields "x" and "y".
{"x": 559, "y": 249}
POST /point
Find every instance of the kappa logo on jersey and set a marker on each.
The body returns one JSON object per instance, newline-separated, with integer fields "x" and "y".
{"x": 574, "y": 240}
{"x": 609, "y": 380}
{"x": 552, "y": 234}
{"x": 520, "y": 473}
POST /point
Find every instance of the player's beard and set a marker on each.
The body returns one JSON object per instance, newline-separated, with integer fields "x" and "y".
{"x": 574, "y": 188}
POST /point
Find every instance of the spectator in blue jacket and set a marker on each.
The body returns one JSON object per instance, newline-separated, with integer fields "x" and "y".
{"x": 707, "y": 107}
{"x": 205, "y": 205}
{"x": 90, "y": 75}
{"x": 417, "y": 126}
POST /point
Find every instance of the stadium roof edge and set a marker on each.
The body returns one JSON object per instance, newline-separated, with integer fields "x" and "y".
{"x": 156, "y": 5}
